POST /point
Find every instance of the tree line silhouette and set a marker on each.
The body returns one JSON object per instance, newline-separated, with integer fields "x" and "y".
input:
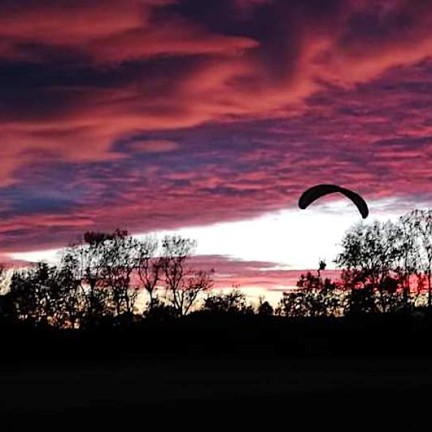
{"x": 386, "y": 267}
{"x": 99, "y": 278}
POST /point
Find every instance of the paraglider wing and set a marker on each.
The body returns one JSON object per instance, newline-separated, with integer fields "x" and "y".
{"x": 316, "y": 192}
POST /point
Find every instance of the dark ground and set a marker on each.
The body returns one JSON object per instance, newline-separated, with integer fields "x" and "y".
{"x": 242, "y": 372}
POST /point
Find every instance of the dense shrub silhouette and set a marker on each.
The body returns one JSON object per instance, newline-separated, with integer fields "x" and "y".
{"x": 233, "y": 302}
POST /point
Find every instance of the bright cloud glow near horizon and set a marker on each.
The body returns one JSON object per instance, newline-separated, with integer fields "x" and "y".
{"x": 284, "y": 242}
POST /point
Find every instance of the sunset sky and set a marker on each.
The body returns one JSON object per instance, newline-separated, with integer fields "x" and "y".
{"x": 211, "y": 117}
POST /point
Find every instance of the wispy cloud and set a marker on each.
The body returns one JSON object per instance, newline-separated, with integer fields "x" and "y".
{"x": 161, "y": 114}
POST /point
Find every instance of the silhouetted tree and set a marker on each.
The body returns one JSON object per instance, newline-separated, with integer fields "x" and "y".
{"x": 233, "y": 302}
{"x": 264, "y": 307}
{"x": 160, "y": 311}
{"x": 183, "y": 285}
{"x": 407, "y": 265}
{"x": 4, "y": 290}
{"x": 119, "y": 260}
{"x": 149, "y": 267}
{"x": 321, "y": 297}
{"x": 85, "y": 261}
{"x": 193, "y": 284}
{"x": 293, "y": 304}
{"x": 72, "y": 297}
{"x": 421, "y": 228}
{"x": 360, "y": 301}
{"x": 314, "y": 297}
{"x": 36, "y": 295}
{"x": 368, "y": 258}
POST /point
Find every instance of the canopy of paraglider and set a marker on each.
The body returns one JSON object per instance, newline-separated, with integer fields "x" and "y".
{"x": 316, "y": 192}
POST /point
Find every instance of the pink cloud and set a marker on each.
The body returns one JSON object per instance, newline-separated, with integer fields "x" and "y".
{"x": 222, "y": 119}
{"x": 233, "y": 77}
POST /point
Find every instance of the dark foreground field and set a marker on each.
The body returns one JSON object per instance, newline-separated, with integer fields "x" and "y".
{"x": 319, "y": 392}
{"x": 297, "y": 375}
